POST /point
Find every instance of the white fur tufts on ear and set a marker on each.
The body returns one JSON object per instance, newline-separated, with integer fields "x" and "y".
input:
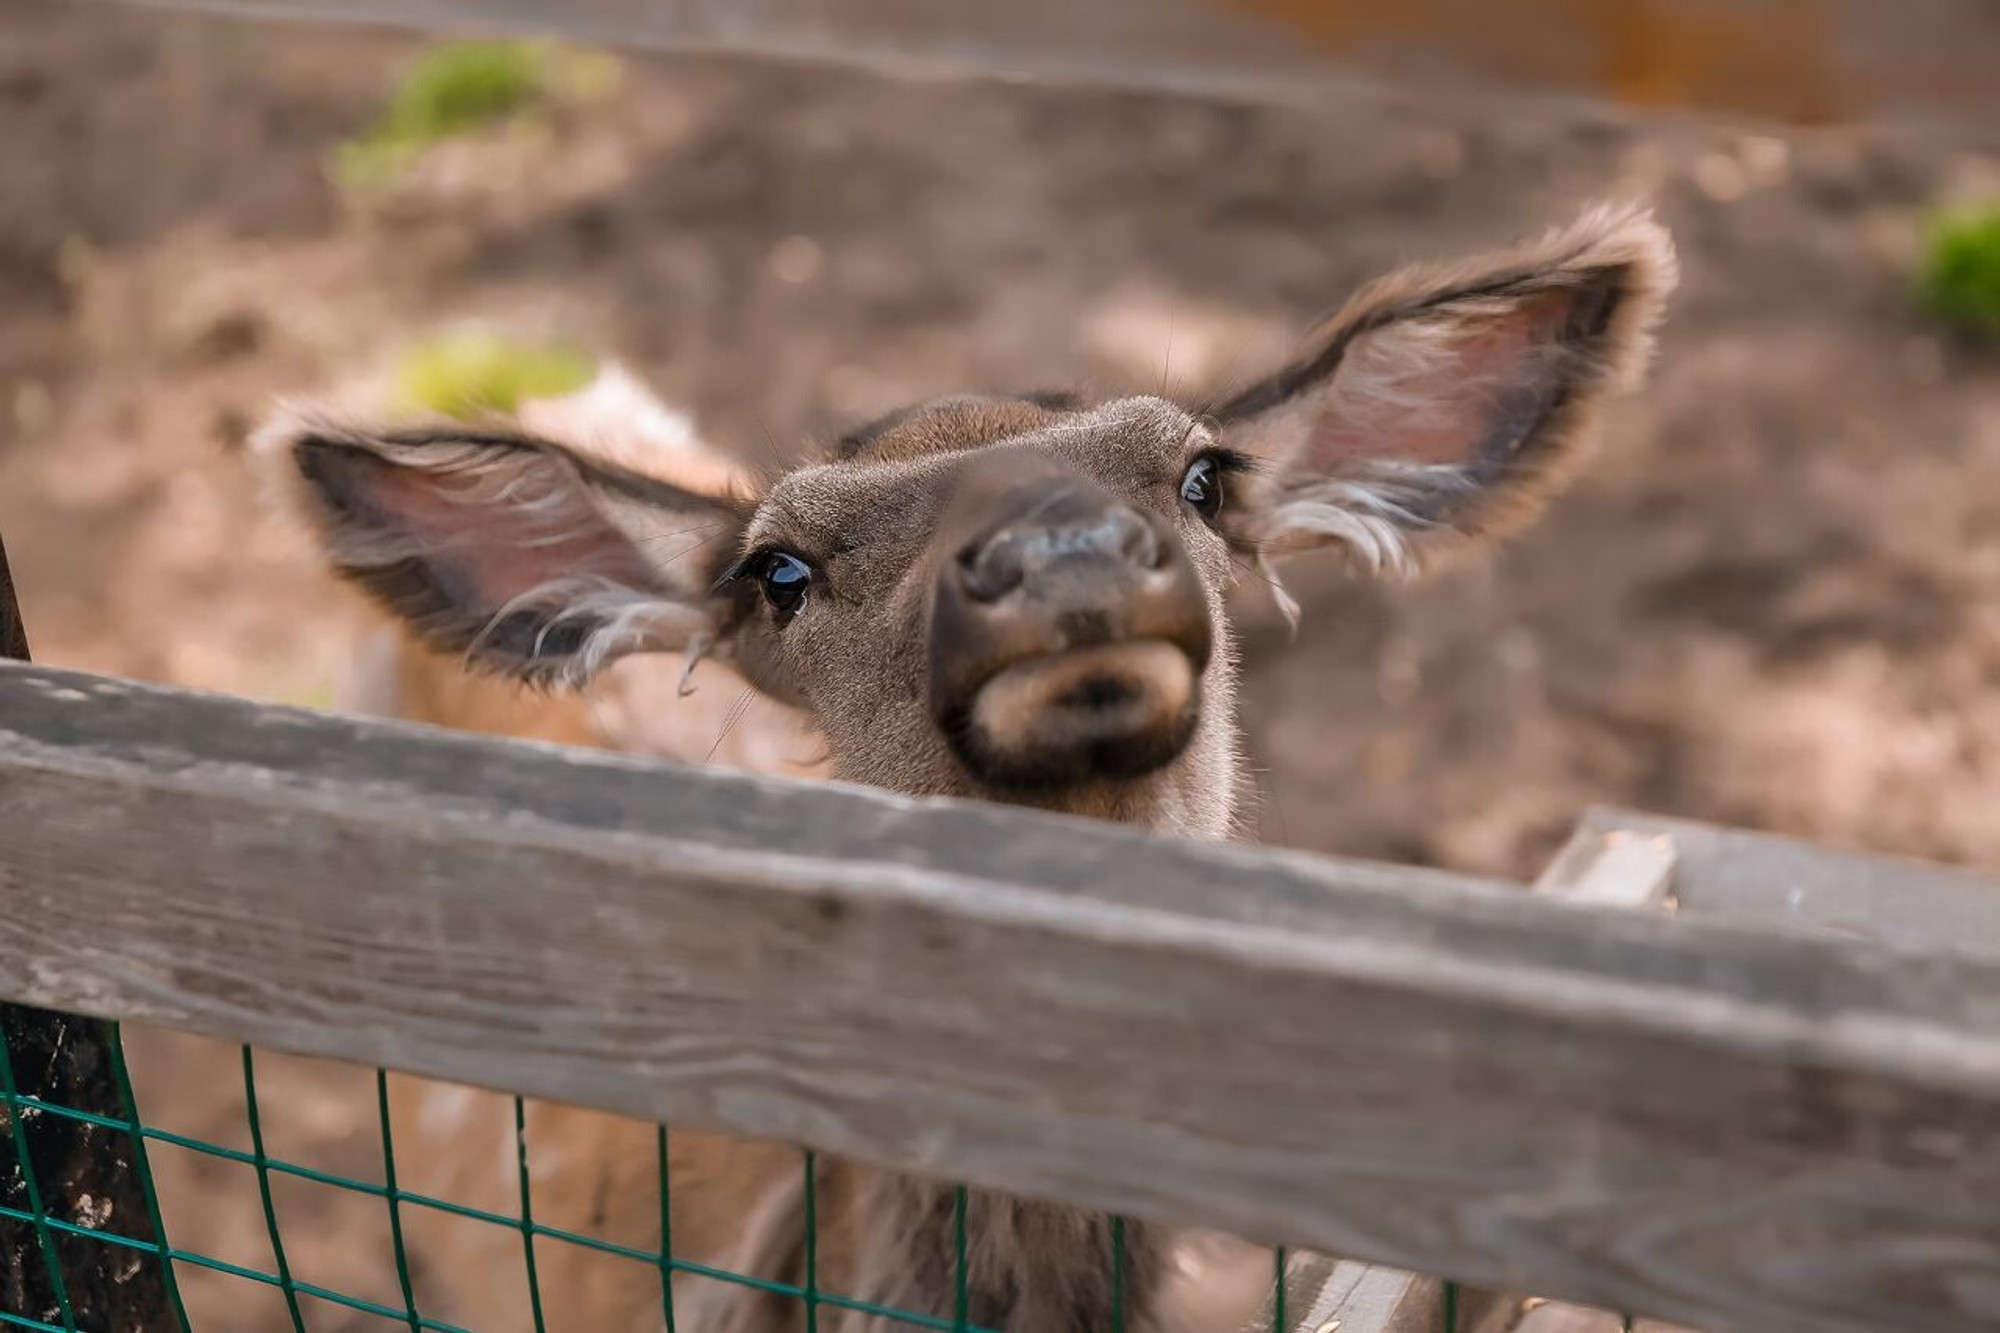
{"x": 1450, "y": 401}
{"x": 529, "y": 559}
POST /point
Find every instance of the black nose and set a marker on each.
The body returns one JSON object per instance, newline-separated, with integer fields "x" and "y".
{"x": 1072, "y": 529}
{"x": 1060, "y": 564}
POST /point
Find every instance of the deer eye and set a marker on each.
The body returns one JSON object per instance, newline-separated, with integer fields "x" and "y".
{"x": 785, "y": 580}
{"x": 1201, "y": 486}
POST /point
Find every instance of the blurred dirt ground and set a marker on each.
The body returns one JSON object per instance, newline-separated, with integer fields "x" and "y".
{"x": 1775, "y": 601}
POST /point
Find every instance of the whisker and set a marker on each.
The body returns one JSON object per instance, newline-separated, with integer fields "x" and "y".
{"x": 729, "y": 721}
{"x": 780, "y": 457}
{"x": 1230, "y": 380}
{"x": 682, "y": 555}
{"x": 682, "y": 532}
{"x": 1268, "y": 801}
{"x": 1245, "y": 565}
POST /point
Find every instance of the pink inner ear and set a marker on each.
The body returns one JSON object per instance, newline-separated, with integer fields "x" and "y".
{"x": 502, "y": 548}
{"x": 1451, "y": 386}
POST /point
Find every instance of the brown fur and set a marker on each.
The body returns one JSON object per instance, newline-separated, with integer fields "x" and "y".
{"x": 1439, "y": 405}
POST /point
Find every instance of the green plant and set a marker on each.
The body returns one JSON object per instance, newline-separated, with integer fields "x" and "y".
{"x": 459, "y": 86}
{"x": 466, "y": 375}
{"x": 1960, "y": 278}
{"x": 462, "y": 86}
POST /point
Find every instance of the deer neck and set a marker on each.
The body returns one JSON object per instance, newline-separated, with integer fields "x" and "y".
{"x": 1029, "y": 1265}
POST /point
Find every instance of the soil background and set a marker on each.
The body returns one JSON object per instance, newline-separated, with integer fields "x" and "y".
{"x": 1774, "y": 601}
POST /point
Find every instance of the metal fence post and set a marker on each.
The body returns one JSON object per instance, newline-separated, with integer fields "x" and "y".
{"x": 88, "y": 1174}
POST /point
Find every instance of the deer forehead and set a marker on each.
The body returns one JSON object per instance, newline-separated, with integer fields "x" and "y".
{"x": 899, "y": 482}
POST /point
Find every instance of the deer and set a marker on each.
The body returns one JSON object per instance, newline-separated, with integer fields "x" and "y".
{"x": 1012, "y": 598}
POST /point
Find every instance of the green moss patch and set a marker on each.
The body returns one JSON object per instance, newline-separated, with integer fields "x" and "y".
{"x": 469, "y": 375}
{"x": 464, "y": 86}
{"x": 1960, "y": 279}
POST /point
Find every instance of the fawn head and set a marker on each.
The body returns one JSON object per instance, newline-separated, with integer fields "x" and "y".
{"x": 1016, "y": 598}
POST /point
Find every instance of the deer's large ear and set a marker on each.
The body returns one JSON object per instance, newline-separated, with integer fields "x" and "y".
{"x": 525, "y": 557}
{"x": 1448, "y": 402}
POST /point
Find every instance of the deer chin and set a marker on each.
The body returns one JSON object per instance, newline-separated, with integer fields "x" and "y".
{"x": 1112, "y": 711}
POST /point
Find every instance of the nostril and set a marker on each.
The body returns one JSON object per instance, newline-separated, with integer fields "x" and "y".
{"x": 991, "y": 569}
{"x": 1136, "y": 540}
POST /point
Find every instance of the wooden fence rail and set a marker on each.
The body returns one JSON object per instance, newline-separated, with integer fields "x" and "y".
{"x": 1799, "y": 60}
{"x": 1731, "y": 1125}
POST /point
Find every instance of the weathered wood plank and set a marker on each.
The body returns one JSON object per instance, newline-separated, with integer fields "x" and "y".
{"x": 1612, "y": 868}
{"x": 1605, "y": 868}
{"x": 1354, "y": 1297}
{"x": 1806, "y": 60}
{"x": 1734, "y": 1127}
{"x": 1762, "y": 879}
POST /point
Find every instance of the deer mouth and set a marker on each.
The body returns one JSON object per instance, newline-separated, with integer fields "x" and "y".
{"x": 1114, "y": 710}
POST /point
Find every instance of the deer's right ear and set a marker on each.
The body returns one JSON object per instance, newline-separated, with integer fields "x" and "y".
{"x": 1449, "y": 402}
{"x": 523, "y": 556}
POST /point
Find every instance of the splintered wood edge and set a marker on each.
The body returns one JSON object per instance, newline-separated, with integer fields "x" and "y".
{"x": 1613, "y": 868}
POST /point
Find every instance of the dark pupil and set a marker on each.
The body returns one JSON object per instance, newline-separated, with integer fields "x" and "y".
{"x": 1200, "y": 487}
{"x": 786, "y": 578}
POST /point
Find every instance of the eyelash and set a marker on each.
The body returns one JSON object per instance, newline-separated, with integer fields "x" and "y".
{"x": 1222, "y": 464}
{"x": 756, "y": 568}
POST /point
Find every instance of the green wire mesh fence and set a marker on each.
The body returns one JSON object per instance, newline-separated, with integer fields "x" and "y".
{"x": 54, "y": 1235}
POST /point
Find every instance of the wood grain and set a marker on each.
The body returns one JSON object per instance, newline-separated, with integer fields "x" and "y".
{"x": 1603, "y": 867}
{"x": 1738, "y": 1128}
{"x": 1613, "y": 868}
{"x": 1760, "y": 879}
{"x": 1807, "y": 61}
{"x": 1353, "y": 1297}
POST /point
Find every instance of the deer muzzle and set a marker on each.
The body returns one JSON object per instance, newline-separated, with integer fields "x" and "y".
{"x": 1068, "y": 640}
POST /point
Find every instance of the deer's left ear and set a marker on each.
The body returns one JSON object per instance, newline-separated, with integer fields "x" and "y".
{"x": 1450, "y": 402}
